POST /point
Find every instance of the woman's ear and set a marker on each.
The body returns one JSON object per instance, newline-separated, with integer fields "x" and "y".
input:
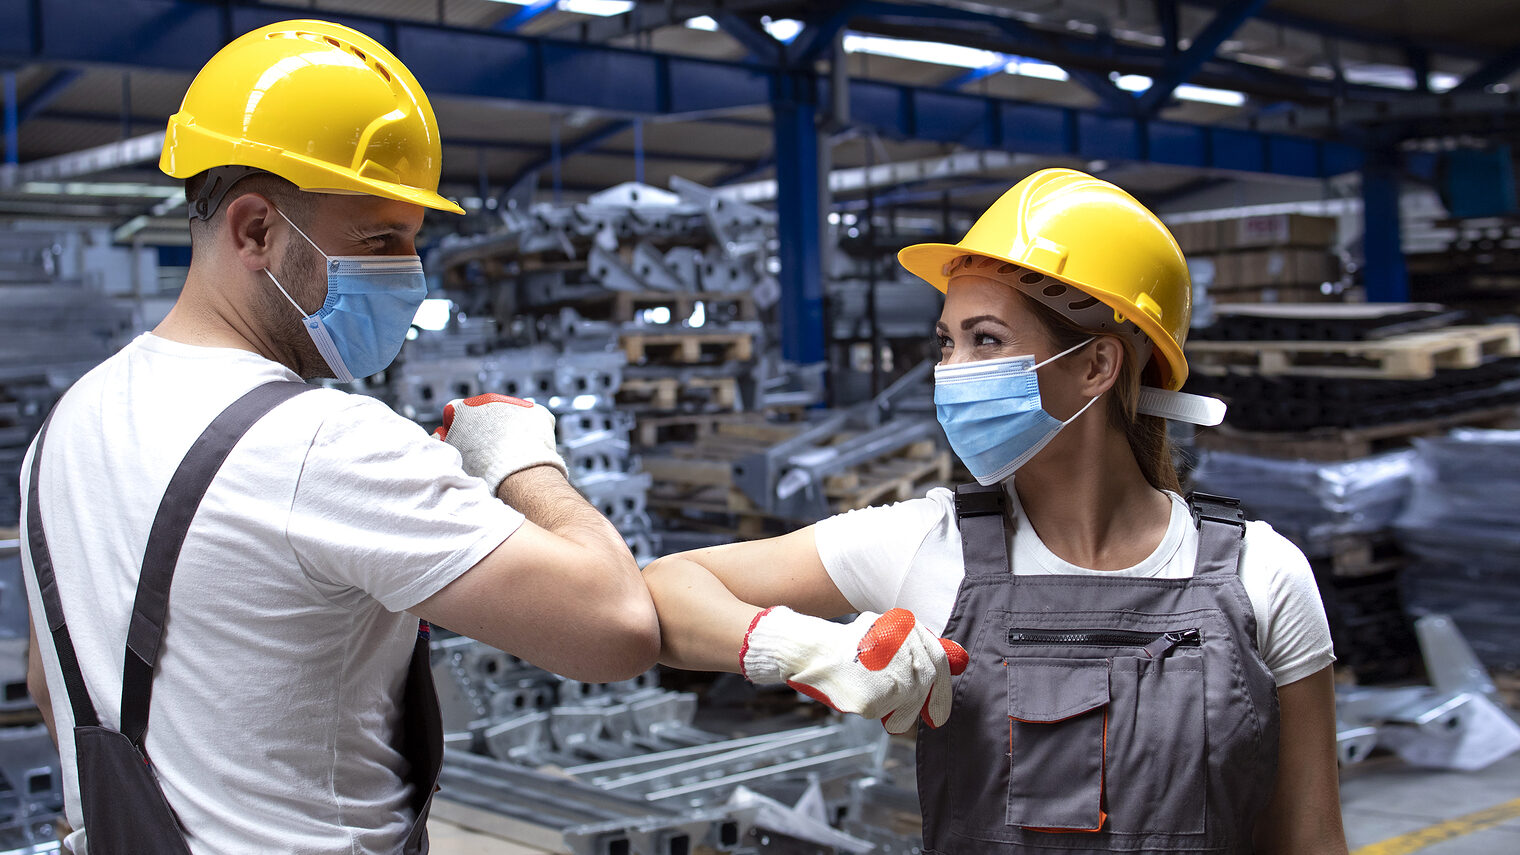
{"x": 1105, "y": 359}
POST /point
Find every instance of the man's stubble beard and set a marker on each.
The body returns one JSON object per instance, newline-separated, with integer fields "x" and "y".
{"x": 303, "y": 273}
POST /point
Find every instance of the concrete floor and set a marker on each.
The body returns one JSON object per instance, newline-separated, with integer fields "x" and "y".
{"x": 1389, "y": 809}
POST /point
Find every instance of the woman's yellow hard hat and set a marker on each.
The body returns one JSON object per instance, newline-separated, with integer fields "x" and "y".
{"x": 318, "y": 104}
{"x": 1094, "y": 237}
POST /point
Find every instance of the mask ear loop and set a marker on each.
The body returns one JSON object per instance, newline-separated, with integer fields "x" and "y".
{"x": 1073, "y": 349}
{"x": 286, "y": 294}
{"x": 276, "y": 282}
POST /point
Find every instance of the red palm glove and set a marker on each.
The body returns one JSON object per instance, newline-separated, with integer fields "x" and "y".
{"x": 879, "y": 666}
{"x": 497, "y": 435}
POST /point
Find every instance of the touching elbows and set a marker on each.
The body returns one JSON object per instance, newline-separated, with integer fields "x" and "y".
{"x": 630, "y": 633}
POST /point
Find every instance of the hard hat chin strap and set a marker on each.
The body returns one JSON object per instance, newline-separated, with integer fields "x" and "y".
{"x": 219, "y": 180}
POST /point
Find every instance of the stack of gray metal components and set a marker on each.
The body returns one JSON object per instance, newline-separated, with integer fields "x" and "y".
{"x": 465, "y": 360}
{"x": 675, "y": 279}
{"x": 1460, "y": 526}
{"x": 1312, "y": 502}
{"x": 56, "y": 326}
{"x": 31, "y": 782}
{"x": 874, "y": 303}
{"x": 632, "y": 775}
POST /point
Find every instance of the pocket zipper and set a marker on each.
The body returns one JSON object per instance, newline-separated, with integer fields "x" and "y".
{"x": 1153, "y": 644}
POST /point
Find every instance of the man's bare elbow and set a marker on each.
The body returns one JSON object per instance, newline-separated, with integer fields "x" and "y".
{"x": 37, "y": 687}
{"x": 635, "y": 636}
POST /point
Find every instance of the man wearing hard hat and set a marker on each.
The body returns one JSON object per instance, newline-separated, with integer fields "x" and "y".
{"x": 277, "y": 697}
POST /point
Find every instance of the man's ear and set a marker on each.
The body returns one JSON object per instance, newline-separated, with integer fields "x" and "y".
{"x": 1105, "y": 358}
{"x": 253, "y": 226}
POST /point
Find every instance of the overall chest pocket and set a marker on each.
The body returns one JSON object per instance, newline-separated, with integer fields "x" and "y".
{"x": 1113, "y": 744}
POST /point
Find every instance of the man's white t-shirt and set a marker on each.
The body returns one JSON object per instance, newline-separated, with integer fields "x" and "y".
{"x": 908, "y": 555}
{"x": 287, "y": 639}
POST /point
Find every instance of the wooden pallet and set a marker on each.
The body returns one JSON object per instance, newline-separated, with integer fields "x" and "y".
{"x": 670, "y": 393}
{"x": 1332, "y": 444}
{"x": 688, "y": 348}
{"x": 1356, "y": 555}
{"x": 896, "y": 480}
{"x": 691, "y": 428}
{"x": 1415, "y": 356}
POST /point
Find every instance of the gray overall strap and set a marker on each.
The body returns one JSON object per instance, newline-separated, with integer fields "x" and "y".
{"x": 52, "y": 603}
{"x": 181, "y": 499}
{"x": 979, "y": 511}
{"x": 1221, "y": 531}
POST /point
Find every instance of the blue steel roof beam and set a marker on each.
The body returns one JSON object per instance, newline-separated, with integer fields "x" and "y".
{"x": 972, "y": 75}
{"x": 1202, "y": 49}
{"x": 581, "y": 145}
{"x": 819, "y": 30}
{"x": 528, "y": 12}
{"x": 511, "y": 67}
{"x": 48, "y": 92}
{"x": 975, "y": 29}
{"x": 758, "y": 42}
{"x": 1349, "y": 33}
{"x": 1166, "y": 17}
{"x": 1491, "y": 72}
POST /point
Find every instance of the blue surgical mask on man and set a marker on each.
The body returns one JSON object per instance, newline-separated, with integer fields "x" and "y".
{"x": 992, "y": 414}
{"x": 371, "y": 302}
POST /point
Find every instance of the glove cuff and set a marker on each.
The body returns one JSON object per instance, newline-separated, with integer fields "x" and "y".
{"x": 502, "y": 469}
{"x": 770, "y": 646}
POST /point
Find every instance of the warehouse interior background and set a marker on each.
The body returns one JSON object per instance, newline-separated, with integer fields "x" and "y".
{"x": 682, "y": 220}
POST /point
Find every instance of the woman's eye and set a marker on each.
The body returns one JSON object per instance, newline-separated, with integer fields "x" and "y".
{"x": 985, "y": 340}
{"x": 943, "y": 342}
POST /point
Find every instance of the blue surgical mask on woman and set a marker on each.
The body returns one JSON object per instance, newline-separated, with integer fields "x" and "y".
{"x": 371, "y": 302}
{"x": 992, "y": 414}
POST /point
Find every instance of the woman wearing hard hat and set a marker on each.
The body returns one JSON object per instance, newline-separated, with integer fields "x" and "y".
{"x": 1126, "y": 658}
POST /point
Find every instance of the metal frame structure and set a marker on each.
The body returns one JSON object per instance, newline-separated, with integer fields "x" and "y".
{"x": 630, "y": 86}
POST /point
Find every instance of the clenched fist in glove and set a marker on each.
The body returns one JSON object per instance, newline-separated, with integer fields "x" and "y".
{"x": 497, "y": 436}
{"x": 879, "y": 666}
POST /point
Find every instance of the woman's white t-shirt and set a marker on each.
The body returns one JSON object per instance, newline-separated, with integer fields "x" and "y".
{"x": 908, "y": 555}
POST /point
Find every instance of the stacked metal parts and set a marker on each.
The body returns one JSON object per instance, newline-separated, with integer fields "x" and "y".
{"x": 1316, "y": 393}
{"x": 1460, "y": 527}
{"x": 57, "y": 325}
{"x": 631, "y": 774}
{"x": 880, "y": 316}
{"x": 31, "y": 781}
{"x": 638, "y": 302}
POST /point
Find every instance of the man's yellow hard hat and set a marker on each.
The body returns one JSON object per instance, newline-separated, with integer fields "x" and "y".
{"x": 1094, "y": 237}
{"x": 318, "y": 104}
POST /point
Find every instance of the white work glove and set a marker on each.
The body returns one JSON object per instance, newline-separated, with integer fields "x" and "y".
{"x": 878, "y": 666}
{"x": 497, "y": 436}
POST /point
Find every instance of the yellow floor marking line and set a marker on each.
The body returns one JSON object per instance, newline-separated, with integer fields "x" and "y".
{"x": 1462, "y": 826}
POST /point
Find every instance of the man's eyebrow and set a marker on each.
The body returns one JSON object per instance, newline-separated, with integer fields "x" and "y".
{"x": 382, "y": 227}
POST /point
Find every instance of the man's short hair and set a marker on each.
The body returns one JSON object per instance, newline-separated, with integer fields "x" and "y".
{"x": 286, "y": 196}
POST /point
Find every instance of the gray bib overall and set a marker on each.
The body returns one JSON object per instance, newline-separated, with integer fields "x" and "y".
{"x": 125, "y": 812}
{"x": 1100, "y": 714}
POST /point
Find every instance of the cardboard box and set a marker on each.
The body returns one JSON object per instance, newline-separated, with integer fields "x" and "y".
{"x": 1278, "y": 230}
{"x": 1197, "y": 238}
{"x": 1273, "y": 267}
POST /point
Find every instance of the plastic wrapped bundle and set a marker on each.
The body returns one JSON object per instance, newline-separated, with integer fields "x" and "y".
{"x": 1311, "y": 502}
{"x": 1460, "y": 526}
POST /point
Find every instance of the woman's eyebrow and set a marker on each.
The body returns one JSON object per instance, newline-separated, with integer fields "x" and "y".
{"x": 973, "y": 321}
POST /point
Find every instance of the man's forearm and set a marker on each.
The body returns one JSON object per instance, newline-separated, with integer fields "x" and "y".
{"x": 542, "y": 494}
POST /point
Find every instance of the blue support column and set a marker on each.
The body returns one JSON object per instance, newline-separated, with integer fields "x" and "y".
{"x": 800, "y": 223}
{"x": 1385, "y": 277}
{"x": 12, "y": 121}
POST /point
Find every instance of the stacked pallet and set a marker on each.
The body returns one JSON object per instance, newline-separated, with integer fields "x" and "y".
{"x": 1324, "y": 404}
{"x": 1266, "y": 259}
{"x": 699, "y": 485}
